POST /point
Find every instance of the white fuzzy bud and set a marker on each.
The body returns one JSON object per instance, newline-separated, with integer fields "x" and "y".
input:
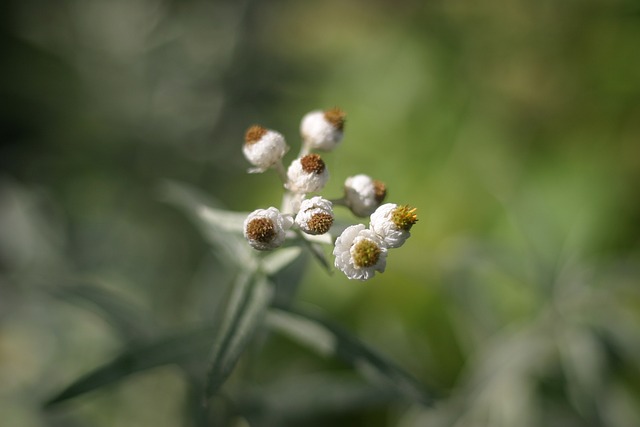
{"x": 265, "y": 229}
{"x": 363, "y": 195}
{"x": 263, "y": 148}
{"x": 307, "y": 174}
{"x": 323, "y": 130}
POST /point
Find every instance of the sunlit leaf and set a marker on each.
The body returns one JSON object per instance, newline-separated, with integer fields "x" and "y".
{"x": 244, "y": 315}
{"x": 165, "y": 350}
{"x": 328, "y": 339}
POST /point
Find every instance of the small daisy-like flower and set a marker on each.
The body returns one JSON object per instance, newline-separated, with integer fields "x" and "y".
{"x": 392, "y": 223}
{"x": 265, "y": 229}
{"x": 315, "y": 215}
{"x": 323, "y": 130}
{"x": 307, "y": 174}
{"x": 363, "y": 195}
{"x": 360, "y": 253}
{"x": 263, "y": 147}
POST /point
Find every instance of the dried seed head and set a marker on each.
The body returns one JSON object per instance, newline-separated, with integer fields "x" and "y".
{"x": 336, "y": 117}
{"x": 254, "y": 134}
{"x": 379, "y": 190}
{"x": 261, "y": 230}
{"x": 320, "y": 223}
{"x": 312, "y": 163}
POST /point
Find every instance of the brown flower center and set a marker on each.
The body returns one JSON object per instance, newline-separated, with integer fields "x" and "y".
{"x": 254, "y": 134}
{"x": 366, "y": 253}
{"x": 336, "y": 117}
{"x": 320, "y": 223}
{"x": 312, "y": 163}
{"x": 379, "y": 190}
{"x": 261, "y": 230}
{"x": 404, "y": 217}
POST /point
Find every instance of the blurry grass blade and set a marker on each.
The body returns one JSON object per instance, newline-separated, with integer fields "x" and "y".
{"x": 221, "y": 228}
{"x": 244, "y": 315}
{"x": 165, "y": 350}
{"x": 124, "y": 316}
{"x": 277, "y": 260}
{"x": 326, "y": 338}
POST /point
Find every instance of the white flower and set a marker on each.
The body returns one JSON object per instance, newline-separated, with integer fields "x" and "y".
{"x": 363, "y": 195}
{"x": 263, "y": 148}
{"x": 360, "y": 253}
{"x": 323, "y": 130}
{"x": 307, "y": 174}
{"x": 392, "y": 223}
{"x": 315, "y": 215}
{"x": 265, "y": 229}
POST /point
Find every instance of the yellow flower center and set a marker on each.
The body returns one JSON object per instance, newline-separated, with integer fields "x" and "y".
{"x": 366, "y": 253}
{"x": 404, "y": 217}
{"x": 379, "y": 190}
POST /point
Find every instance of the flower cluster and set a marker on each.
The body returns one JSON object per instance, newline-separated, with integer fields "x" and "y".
{"x": 359, "y": 251}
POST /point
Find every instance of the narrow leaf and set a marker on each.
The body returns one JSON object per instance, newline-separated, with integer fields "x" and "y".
{"x": 244, "y": 315}
{"x": 326, "y": 338}
{"x": 221, "y": 228}
{"x": 165, "y": 350}
{"x": 277, "y": 260}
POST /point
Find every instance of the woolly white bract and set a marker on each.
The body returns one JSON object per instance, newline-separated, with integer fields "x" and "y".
{"x": 302, "y": 181}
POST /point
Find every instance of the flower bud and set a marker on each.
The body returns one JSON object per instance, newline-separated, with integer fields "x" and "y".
{"x": 265, "y": 229}
{"x": 363, "y": 195}
{"x": 263, "y": 148}
{"x": 315, "y": 215}
{"x": 323, "y": 130}
{"x": 307, "y": 174}
{"x": 392, "y": 223}
{"x": 360, "y": 253}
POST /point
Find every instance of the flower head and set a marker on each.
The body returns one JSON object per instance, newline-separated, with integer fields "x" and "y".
{"x": 265, "y": 229}
{"x": 360, "y": 253}
{"x": 263, "y": 147}
{"x": 307, "y": 174}
{"x": 392, "y": 223}
{"x": 363, "y": 194}
{"x": 323, "y": 130}
{"x": 315, "y": 215}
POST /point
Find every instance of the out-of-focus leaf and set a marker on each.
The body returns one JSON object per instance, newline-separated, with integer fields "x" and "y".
{"x": 277, "y": 260}
{"x": 245, "y": 313}
{"x": 221, "y": 228}
{"x": 328, "y": 339}
{"x": 317, "y": 251}
{"x": 127, "y": 319}
{"x": 306, "y": 397}
{"x": 165, "y": 350}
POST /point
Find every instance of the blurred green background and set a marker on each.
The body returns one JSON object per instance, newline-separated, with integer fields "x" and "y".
{"x": 514, "y": 127}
